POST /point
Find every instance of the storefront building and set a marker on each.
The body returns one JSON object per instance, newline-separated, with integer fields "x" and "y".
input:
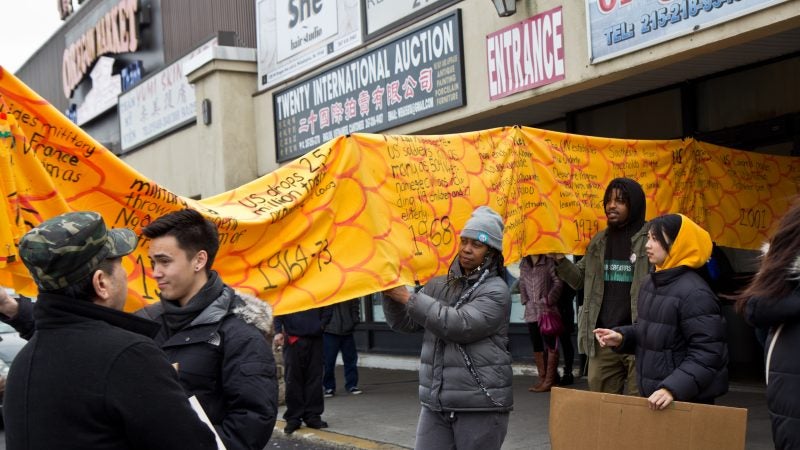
{"x": 211, "y": 96}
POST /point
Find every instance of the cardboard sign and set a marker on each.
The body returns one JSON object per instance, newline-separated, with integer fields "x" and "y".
{"x": 620, "y": 422}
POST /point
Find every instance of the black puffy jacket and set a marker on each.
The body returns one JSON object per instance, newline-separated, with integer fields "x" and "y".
{"x": 679, "y": 337}
{"x": 783, "y": 389}
{"x": 225, "y": 360}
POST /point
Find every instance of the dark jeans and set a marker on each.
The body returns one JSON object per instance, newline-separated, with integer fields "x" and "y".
{"x": 303, "y": 375}
{"x": 333, "y": 343}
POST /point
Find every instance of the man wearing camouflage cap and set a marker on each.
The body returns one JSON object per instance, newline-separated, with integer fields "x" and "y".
{"x": 215, "y": 336}
{"x": 89, "y": 377}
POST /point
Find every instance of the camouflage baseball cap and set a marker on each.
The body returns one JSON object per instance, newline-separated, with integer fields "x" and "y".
{"x": 70, "y": 247}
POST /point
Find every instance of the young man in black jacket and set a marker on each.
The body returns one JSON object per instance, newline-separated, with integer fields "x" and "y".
{"x": 216, "y": 336}
{"x": 89, "y": 377}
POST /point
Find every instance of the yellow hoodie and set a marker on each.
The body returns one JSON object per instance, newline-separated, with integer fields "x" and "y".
{"x": 692, "y": 247}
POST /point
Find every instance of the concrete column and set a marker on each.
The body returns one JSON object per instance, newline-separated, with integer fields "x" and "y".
{"x": 224, "y": 79}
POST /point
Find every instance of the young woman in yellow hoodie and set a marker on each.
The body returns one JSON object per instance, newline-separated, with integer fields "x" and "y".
{"x": 679, "y": 336}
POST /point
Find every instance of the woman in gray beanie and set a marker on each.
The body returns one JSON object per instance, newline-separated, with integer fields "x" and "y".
{"x": 465, "y": 365}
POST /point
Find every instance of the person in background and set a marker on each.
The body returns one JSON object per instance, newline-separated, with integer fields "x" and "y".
{"x": 772, "y": 300}
{"x": 465, "y": 365}
{"x": 679, "y": 336}
{"x": 540, "y": 290}
{"x": 300, "y": 335}
{"x": 214, "y": 336}
{"x": 90, "y": 376}
{"x": 610, "y": 274}
{"x": 338, "y": 336}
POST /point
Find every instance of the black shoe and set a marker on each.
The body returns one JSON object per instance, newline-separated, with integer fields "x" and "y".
{"x": 316, "y": 423}
{"x": 291, "y": 427}
{"x": 567, "y": 379}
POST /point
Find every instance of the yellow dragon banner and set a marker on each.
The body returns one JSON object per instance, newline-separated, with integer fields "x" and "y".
{"x": 366, "y": 212}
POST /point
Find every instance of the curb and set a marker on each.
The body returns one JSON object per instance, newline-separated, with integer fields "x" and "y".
{"x": 338, "y": 440}
{"x": 411, "y": 363}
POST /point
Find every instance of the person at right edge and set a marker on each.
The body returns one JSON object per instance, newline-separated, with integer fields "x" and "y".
{"x": 610, "y": 274}
{"x": 465, "y": 365}
{"x": 773, "y": 300}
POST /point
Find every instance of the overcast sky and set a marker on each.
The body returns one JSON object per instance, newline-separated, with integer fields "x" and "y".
{"x": 26, "y": 25}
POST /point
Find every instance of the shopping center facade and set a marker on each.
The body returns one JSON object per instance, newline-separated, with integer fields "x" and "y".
{"x": 205, "y": 96}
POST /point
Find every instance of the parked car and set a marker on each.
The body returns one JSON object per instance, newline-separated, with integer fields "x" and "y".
{"x": 10, "y": 345}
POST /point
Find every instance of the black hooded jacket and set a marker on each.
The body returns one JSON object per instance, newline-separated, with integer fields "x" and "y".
{"x": 224, "y": 359}
{"x": 590, "y": 272}
{"x": 783, "y": 387}
{"x": 616, "y": 309}
{"x": 679, "y": 338}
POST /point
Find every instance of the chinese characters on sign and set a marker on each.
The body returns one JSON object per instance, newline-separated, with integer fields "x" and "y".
{"x": 415, "y": 76}
{"x": 161, "y": 103}
{"x": 526, "y": 55}
{"x": 618, "y": 27}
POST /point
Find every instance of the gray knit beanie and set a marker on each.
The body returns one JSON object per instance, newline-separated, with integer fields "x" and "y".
{"x": 485, "y": 226}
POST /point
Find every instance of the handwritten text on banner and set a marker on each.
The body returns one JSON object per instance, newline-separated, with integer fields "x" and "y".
{"x": 366, "y": 212}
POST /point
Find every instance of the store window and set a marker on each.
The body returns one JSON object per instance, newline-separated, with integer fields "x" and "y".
{"x": 652, "y": 116}
{"x": 772, "y": 91}
{"x": 377, "y": 309}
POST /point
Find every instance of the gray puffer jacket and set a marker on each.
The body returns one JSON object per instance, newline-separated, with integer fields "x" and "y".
{"x": 479, "y": 326}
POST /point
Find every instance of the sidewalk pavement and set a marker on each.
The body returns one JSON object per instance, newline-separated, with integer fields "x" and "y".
{"x": 385, "y": 415}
